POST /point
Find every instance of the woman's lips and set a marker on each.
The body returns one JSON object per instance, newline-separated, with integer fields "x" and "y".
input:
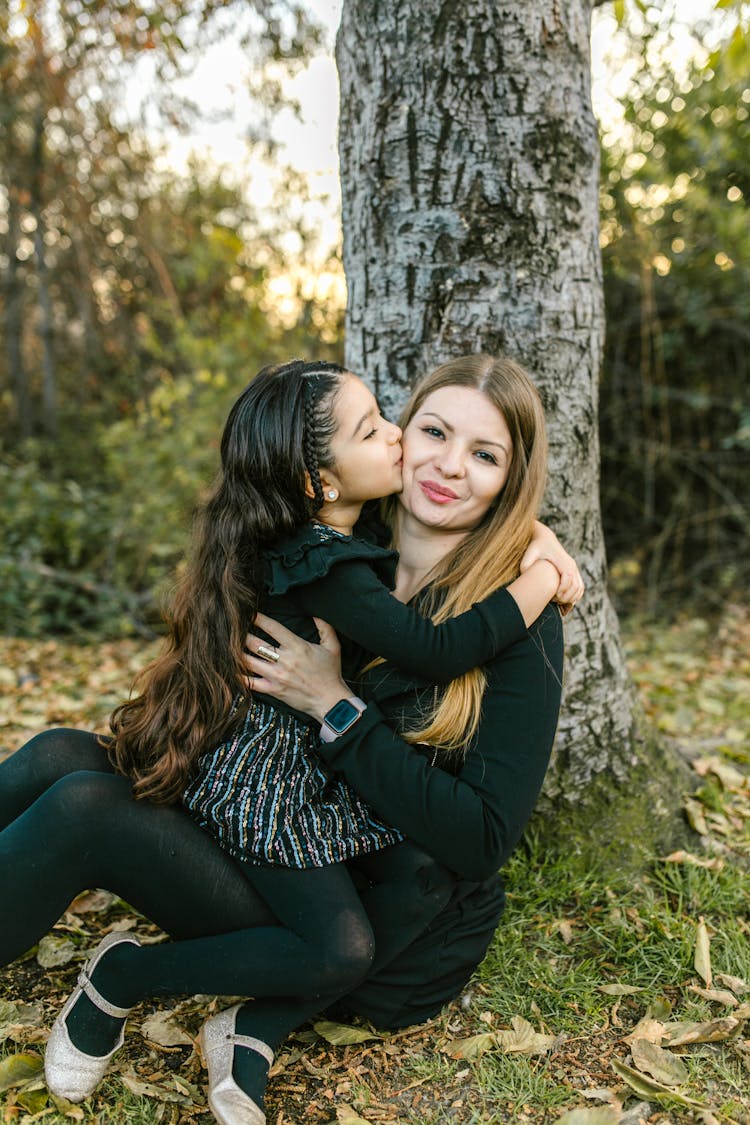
{"x": 437, "y": 492}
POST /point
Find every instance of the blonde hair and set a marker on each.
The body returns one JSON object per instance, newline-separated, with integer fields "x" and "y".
{"x": 490, "y": 555}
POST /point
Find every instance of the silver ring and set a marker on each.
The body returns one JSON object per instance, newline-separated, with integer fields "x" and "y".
{"x": 267, "y": 653}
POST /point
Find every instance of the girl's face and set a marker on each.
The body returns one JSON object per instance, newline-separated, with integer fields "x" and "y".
{"x": 457, "y": 452}
{"x": 366, "y": 448}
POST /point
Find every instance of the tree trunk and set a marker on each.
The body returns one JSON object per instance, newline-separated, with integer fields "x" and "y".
{"x": 469, "y": 171}
{"x": 46, "y": 333}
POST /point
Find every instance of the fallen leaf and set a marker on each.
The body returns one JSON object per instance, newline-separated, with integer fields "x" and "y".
{"x": 660, "y": 1008}
{"x": 712, "y": 1031}
{"x": 601, "y": 1094}
{"x": 717, "y": 995}
{"x": 696, "y": 816}
{"x": 33, "y": 1101}
{"x": 660, "y": 1064}
{"x": 647, "y": 1087}
{"x": 714, "y": 864}
{"x": 91, "y": 902}
{"x": 705, "y": 1117}
{"x": 619, "y": 989}
{"x": 8, "y": 1011}
{"x": 737, "y": 984}
{"x": 151, "y": 1090}
{"x": 729, "y": 777}
{"x": 346, "y": 1115}
{"x": 702, "y": 957}
{"x": 473, "y": 1047}
{"x": 66, "y": 1108}
{"x": 598, "y": 1115}
{"x": 565, "y": 929}
{"x": 15, "y": 1018}
{"x": 342, "y": 1035}
{"x": 646, "y": 1028}
{"x": 523, "y": 1040}
{"x": 160, "y": 1028}
{"x": 54, "y": 951}
{"x": 15, "y": 1070}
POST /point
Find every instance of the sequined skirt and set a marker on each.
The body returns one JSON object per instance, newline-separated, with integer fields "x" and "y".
{"x": 265, "y": 797}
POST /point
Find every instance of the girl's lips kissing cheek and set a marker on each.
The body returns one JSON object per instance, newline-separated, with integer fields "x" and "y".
{"x": 437, "y": 492}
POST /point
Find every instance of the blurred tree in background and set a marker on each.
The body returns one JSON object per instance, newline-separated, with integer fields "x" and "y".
{"x": 135, "y": 302}
{"x": 675, "y": 411}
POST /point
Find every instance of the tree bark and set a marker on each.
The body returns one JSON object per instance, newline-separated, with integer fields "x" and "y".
{"x": 469, "y": 170}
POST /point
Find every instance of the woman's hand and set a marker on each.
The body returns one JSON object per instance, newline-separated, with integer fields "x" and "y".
{"x": 545, "y": 545}
{"x": 303, "y": 675}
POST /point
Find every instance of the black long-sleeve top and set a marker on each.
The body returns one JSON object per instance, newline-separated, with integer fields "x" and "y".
{"x": 469, "y": 814}
{"x": 347, "y": 581}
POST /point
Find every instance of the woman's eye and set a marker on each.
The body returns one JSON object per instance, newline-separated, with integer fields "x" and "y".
{"x": 483, "y": 455}
{"x": 433, "y": 431}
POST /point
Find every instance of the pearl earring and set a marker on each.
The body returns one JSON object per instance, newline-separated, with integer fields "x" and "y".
{"x": 332, "y": 494}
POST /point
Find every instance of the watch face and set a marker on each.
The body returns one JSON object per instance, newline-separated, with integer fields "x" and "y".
{"x": 341, "y": 716}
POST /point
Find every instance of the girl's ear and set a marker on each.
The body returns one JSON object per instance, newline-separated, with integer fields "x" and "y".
{"x": 309, "y": 490}
{"x": 330, "y": 486}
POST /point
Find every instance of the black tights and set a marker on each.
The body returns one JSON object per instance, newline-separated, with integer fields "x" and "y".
{"x": 294, "y": 940}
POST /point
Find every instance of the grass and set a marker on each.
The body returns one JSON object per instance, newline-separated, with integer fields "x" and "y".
{"x": 579, "y": 962}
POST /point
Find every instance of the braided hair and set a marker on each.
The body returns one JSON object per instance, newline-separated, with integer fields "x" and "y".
{"x": 315, "y": 437}
{"x": 278, "y": 433}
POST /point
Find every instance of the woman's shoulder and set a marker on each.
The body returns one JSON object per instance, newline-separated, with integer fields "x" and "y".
{"x": 309, "y": 554}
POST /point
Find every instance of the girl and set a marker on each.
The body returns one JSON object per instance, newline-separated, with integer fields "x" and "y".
{"x": 303, "y": 450}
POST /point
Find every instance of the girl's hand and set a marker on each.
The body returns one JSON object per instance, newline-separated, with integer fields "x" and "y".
{"x": 545, "y": 545}
{"x": 305, "y": 676}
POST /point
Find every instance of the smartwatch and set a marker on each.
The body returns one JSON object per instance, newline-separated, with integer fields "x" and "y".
{"x": 341, "y": 716}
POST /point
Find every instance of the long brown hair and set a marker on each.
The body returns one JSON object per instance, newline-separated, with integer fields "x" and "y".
{"x": 278, "y": 434}
{"x": 490, "y": 555}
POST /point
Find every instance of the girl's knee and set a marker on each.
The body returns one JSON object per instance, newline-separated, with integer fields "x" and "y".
{"x": 348, "y": 954}
{"x": 55, "y": 753}
{"x": 86, "y": 797}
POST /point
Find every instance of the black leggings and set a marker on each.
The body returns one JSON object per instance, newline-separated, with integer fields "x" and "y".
{"x": 68, "y": 823}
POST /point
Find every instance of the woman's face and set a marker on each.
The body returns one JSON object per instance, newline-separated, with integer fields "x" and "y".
{"x": 457, "y": 452}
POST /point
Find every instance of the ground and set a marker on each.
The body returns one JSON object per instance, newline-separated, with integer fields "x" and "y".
{"x": 544, "y": 1030}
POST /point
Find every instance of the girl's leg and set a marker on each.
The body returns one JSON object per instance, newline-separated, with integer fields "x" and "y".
{"x": 41, "y": 762}
{"x": 407, "y": 890}
{"x": 319, "y": 944}
{"x": 86, "y": 830}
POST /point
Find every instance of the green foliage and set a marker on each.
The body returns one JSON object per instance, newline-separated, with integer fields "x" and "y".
{"x": 675, "y": 418}
{"x": 51, "y": 533}
{"x": 157, "y": 463}
{"x": 97, "y": 556}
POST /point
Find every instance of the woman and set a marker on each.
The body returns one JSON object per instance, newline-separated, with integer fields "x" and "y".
{"x": 474, "y": 456}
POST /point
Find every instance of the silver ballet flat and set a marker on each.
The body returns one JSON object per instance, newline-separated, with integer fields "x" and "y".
{"x": 69, "y": 1072}
{"x": 229, "y": 1104}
